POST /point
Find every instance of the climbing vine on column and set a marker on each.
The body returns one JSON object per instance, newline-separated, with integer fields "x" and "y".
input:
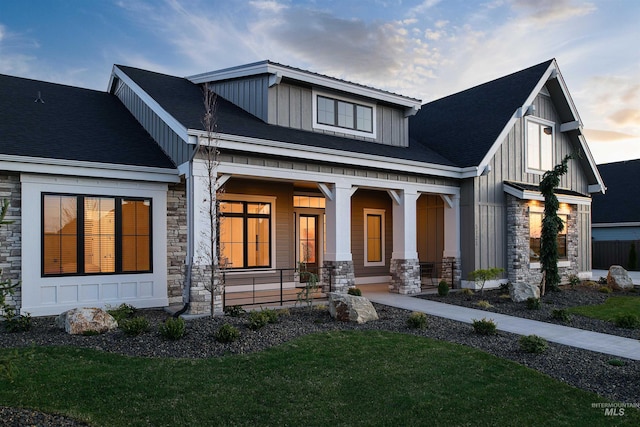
{"x": 551, "y": 226}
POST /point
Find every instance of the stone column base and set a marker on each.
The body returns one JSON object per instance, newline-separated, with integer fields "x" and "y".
{"x": 200, "y": 295}
{"x": 405, "y": 276}
{"x": 337, "y": 276}
{"x": 451, "y": 271}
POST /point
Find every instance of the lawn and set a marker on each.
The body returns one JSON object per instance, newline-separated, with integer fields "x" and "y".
{"x": 336, "y": 378}
{"x": 612, "y": 307}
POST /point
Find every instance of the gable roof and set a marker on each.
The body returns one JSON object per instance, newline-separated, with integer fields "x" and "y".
{"x": 621, "y": 203}
{"x": 464, "y": 126}
{"x": 182, "y": 100}
{"x": 72, "y": 124}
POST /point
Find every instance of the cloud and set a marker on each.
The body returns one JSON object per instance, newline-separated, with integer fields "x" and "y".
{"x": 546, "y": 11}
{"x": 626, "y": 117}
{"x": 600, "y": 135}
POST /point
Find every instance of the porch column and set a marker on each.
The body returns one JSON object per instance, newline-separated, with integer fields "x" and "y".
{"x": 405, "y": 267}
{"x": 338, "y": 274}
{"x": 451, "y": 263}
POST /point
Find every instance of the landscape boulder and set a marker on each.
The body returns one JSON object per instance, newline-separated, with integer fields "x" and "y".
{"x": 79, "y": 321}
{"x": 351, "y": 308}
{"x": 618, "y": 278}
{"x": 520, "y": 292}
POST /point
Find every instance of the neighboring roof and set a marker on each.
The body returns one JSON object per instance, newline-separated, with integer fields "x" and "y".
{"x": 621, "y": 202}
{"x": 277, "y": 71}
{"x": 72, "y": 124}
{"x": 464, "y": 126}
{"x": 183, "y": 100}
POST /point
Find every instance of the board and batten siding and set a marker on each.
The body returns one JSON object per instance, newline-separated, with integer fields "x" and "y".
{"x": 370, "y": 199}
{"x": 174, "y": 146}
{"x": 250, "y": 94}
{"x": 430, "y": 228}
{"x": 483, "y": 201}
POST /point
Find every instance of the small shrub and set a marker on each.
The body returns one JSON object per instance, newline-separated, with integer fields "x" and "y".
{"x": 173, "y": 328}
{"x": 628, "y": 321}
{"x": 417, "y": 320}
{"x": 616, "y": 362}
{"x": 533, "y": 303}
{"x": 574, "y": 281}
{"x": 321, "y": 307}
{"x": 134, "y": 326}
{"x": 270, "y": 314}
{"x": 443, "y": 288}
{"x": 533, "y": 344}
{"x": 605, "y": 290}
{"x": 234, "y": 310}
{"x": 123, "y": 311}
{"x": 227, "y": 333}
{"x": 467, "y": 291}
{"x": 561, "y": 314}
{"x": 355, "y": 291}
{"x": 484, "y": 326}
{"x": 504, "y": 288}
{"x": 284, "y": 312}
{"x": 483, "y": 304}
{"x": 602, "y": 281}
{"x": 19, "y": 323}
{"x": 257, "y": 320}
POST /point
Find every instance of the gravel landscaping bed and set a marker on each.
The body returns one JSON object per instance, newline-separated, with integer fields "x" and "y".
{"x": 580, "y": 368}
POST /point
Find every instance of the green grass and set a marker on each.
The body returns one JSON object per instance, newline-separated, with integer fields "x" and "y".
{"x": 336, "y": 378}
{"x": 612, "y": 307}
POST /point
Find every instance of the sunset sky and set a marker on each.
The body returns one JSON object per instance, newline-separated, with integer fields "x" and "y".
{"x": 426, "y": 49}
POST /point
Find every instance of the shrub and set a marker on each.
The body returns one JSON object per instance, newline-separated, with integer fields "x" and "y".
{"x": 258, "y": 319}
{"x": 355, "y": 291}
{"x": 605, "y": 290}
{"x": 134, "y": 326}
{"x": 533, "y": 344}
{"x": 504, "y": 288}
{"x": 227, "y": 333}
{"x": 173, "y": 328}
{"x": 283, "y": 312}
{"x": 602, "y": 281}
{"x": 19, "y": 323}
{"x": 482, "y": 275}
{"x": 561, "y": 314}
{"x": 234, "y": 310}
{"x": 123, "y": 311}
{"x": 484, "y": 326}
{"x": 628, "y": 321}
{"x": 467, "y": 291}
{"x": 483, "y": 304}
{"x": 616, "y": 362}
{"x": 574, "y": 281}
{"x": 443, "y": 288}
{"x": 533, "y": 303}
{"x": 417, "y": 320}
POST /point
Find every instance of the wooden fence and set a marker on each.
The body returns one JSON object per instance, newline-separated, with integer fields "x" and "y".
{"x": 608, "y": 253}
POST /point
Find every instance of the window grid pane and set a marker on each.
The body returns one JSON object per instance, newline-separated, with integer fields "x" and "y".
{"x": 60, "y": 226}
{"x": 365, "y": 118}
{"x": 136, "y": 237}
{"x": 345, "y": 115}
{"x": 374, "y": 238}
{"x": 99, "y": 235}
{"x": 326, "y": 111}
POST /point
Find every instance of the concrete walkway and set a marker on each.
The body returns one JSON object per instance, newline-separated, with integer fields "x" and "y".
{"x": 594, "y": 341}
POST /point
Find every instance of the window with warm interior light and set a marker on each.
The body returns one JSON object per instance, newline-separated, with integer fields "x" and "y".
{"x": 535, "y": 234}
{"x": 344, "y": 115}
{"x": 95, "y": 235}
{"x": 245, "y": 234}
{"x": 539, "y": 140}
{"x": 374, "y": 237}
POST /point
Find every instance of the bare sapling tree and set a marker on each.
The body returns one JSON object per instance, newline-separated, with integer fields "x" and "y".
{"x": 551, "y": 225}
{"x": 211, "y": 157}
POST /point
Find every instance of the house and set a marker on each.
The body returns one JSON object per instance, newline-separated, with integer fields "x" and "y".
{"x": 366, "y": 185}
{"x": 616, "y": 215}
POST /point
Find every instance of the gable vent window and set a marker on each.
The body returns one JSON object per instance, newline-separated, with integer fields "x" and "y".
{"x": 341, "y": 115}
{"x": 540, "y": 144}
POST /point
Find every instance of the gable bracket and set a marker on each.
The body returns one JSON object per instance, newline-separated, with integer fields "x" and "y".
{"x": 222, "y": 180}
{"x": 326, "y": 191}
{"x": 447, "y": 200}
{"x": 574, "y": 125}
{"x": 525, "y": 110}
{"x": 275, "y": 79}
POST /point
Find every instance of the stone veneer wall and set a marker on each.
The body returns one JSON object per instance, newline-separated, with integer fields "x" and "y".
{"x": 518, "y": 253}
{"x": 200, "y": 297}
{"x": 452, "y": 271}
{"x": 340, "y": 273}
{"x": 176, "y": 241}
{"x": 405, "y": 276}
{"x": 10, "y": 236}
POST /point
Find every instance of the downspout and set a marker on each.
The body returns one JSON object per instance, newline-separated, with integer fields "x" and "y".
{"x": 186, "y": 289}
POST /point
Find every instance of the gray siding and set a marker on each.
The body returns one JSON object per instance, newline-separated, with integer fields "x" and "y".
{"x": 483, "y": 201}
{"x": 584, "y": 232}
{"x": 175, "y": 147}
{"x": 249, "y": 94}
{"x": 368, "y": 199}
{"x": 430, "y": 228}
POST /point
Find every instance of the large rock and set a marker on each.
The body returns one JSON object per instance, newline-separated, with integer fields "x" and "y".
{"x": 618, "y": 278}
{"x": 520, "y": 292}
{"x": 83, "y": 320}
{"x": 351, "y": 308}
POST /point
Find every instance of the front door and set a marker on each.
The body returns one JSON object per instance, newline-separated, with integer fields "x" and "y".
{"x": 308, "y": 242}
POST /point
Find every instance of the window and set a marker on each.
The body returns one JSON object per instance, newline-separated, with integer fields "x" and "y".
{"x": 245, "y": 234}
{"x": 539, "y": 145}
{"x": 535, "y": 233}
{"x": 352, "y": 117}
{"x": 308, "y": 202}
{"x": 374, "y": 237}
{"x": 95, "y": 235}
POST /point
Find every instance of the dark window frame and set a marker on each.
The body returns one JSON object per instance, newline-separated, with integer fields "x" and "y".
{"x": 80, "y": 234}
{"x": 335, "y": 114}
{"x": 245, "y": 215}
